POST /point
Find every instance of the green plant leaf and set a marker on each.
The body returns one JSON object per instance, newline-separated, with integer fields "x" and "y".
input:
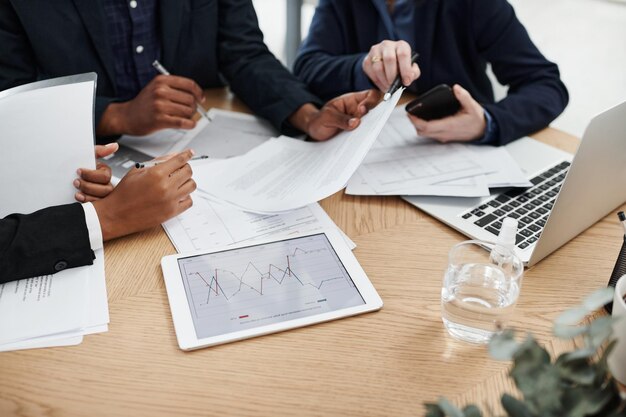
{"x": 433, "y": 410}
{"x": 599, "y": 331}
{"x": 598, "y": 298}
{"x": 572, "y": 316}
{"x": 449, "y": 409}
{"x": 565, "y": 331}
{"x": 581, "y": 402}
{"x": 602, "y": 365}
{"x": 472, "y": 411}
{"x": 514, "y": 407}
{"x": 579, "y": 371}
{"x": 503, "y": 346}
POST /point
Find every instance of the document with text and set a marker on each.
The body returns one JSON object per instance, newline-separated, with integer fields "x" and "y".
{"x": 284, "y": 174}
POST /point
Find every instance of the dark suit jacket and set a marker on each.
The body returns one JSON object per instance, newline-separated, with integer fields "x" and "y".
{"x": 43, "y": 242}
{"x": 455, "y": 40}
{"x": 201, "y": 39}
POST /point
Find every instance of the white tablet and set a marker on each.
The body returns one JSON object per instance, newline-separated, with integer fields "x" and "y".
{"x": 250, "y": 290}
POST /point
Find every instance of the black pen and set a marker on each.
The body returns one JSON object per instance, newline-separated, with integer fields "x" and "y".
{"x": 398, "y": 81}
{"x": 622, "y": 219}
{"x": 154, "y": 163}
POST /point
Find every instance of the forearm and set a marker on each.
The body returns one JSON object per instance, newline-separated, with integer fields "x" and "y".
{"x": 112, "y": 121}
{"x": 301, "y": 119}
{"x": 43, "y": 242}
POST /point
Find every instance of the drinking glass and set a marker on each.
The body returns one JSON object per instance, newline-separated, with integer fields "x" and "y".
{"x": 480, "y": 289}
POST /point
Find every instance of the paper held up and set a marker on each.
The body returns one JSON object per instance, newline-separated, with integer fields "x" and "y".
{"x": 285, "y": 174}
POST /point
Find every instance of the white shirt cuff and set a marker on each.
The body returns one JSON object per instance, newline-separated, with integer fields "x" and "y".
{"x": 93, "y": 226}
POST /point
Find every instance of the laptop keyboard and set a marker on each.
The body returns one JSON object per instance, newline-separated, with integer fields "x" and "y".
{"x": 530, "y": 206}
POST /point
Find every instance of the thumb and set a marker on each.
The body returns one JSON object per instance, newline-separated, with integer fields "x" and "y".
{"x": 463, "y": 96}
{"x": 335, "y": 118}
{"x": 106, "y": 150}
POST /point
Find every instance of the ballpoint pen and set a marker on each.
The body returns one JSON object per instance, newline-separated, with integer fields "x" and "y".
{"x": 161, "y": 69}
{"x": 398, "y": 81}
{"x": 156, "y": 162}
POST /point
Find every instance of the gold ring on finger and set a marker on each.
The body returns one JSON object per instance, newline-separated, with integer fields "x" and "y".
{"x": 376, "y": 59}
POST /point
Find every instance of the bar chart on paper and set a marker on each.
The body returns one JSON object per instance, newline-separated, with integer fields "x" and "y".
{"x": 264, "y": 284}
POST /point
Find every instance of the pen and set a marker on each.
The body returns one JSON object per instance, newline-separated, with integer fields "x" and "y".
{"x": 398, "y": 81}
{"x": 622, "y": 219}
{"x": 161, "y": 69}
{"x": 154, "y": 163}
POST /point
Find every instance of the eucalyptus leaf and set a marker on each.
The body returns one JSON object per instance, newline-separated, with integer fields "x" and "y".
{"x": 503, "y": 346}
{"x": 433, "y": 410}
{"x": 600, "y": 330}
{"x": 572, "y": 316}
{"x": 472, "y": 411}
{"x": 581, "y": 402}
{"x": 585, "y": 353}
{"x": 598, "y": 298}
{"x": 580, "y": 371}
{"x": 514, "y": 407}
{"x": 603, "y": 366}
{"x": 449, "y": 409}
{"x": 565, "y": 331}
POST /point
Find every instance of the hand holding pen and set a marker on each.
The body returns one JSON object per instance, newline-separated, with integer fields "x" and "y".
{"x": 391, "y": 61}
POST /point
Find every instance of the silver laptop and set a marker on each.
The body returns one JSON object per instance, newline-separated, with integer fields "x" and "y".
{"x": 568, "y": 194}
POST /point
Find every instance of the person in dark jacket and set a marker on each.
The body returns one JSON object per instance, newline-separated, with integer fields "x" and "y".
{"x": 357, "y": 44}
{"x": 203, "y": 43}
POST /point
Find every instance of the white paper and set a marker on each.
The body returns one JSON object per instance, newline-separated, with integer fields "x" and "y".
{"x": 399, "y": 131}
{"x": 284, "y": 174}
{"x": 228, "y": 134}
{"x": 207, "y": 225}
{"x": 48, "y": 135}
{"x": 505, "y": 171}
{"x": 401, "y": 169}
{"x": 465, "y": 187}
{"x": 42, "y": 342}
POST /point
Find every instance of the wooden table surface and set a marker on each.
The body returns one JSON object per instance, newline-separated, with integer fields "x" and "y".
{"x": 386, "y": 363}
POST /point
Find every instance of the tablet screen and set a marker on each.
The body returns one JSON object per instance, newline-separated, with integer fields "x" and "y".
{"x": 258, "y": 285}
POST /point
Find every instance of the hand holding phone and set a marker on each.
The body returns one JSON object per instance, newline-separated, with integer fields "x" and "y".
{"x": 436, "y": 103}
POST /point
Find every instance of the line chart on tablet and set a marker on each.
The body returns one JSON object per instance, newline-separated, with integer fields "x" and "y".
{"x": 265, "y": 281}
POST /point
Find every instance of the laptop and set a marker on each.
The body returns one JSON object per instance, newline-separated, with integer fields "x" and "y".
{"x": 569, "y": 194}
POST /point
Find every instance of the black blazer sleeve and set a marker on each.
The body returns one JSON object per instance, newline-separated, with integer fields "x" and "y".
{"x": 43, "y": 242}
{"x": 254, "y": 74}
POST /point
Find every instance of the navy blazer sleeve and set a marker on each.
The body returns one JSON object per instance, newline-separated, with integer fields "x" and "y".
{"x": 254, "y": 74}
{"x": 39, "y": 243}
{"x": 327, "y": 59}
{"x": 536, "y": 95}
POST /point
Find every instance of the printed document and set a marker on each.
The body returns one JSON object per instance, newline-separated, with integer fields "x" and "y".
{"x": 208, "y": 224}
{"x": 40, "y": 131}
{"x": 285, "y": 174}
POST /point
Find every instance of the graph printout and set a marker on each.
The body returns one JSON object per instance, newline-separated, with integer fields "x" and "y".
{"x": 241, "y": 289}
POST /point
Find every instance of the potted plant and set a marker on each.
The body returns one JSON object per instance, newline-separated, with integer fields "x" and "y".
{"x": 575, "y": 384}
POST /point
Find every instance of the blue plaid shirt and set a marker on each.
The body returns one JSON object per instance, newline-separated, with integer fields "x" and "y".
{"x": 134, "y": 38}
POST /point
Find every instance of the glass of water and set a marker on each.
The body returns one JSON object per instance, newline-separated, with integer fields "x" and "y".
{"x": 480, "y": 289}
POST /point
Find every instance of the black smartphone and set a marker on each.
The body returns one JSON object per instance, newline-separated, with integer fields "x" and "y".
{"x": 436, "y": 103}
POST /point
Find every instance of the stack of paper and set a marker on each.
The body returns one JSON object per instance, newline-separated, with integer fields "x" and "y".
{"x": 284, "y": 174}
{"x": 207, "y": 225}
{"x": 402, "y": 163}
{"x": 54, "y": 310}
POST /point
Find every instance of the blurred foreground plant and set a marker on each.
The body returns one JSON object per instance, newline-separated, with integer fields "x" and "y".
{"x": 576, "y": 384}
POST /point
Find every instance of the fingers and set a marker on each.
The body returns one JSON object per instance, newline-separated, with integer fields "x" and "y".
{"x": 339, "y": 120}
{"x": 375, "y": 68}
{"x": 103, "y": 151}
{"x": 390, "y": 61}
{"x": 89, "y": 189}
{"x": 166, "y": 121}
{"x": 175, "y": 163}
{"x": 182, "y": 175}
{"x": 408, "y": 70}
{"x": 370, "y": 100}
{"x": 183, "y": 84}
{"x": 101, "y": 175}
{"x": 187, "y": 188}
{"x": 184, "y": 204}
{"x": 464, "y": 97}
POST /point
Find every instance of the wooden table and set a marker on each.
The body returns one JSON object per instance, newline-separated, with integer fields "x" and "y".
{"x": 380, "y": 364}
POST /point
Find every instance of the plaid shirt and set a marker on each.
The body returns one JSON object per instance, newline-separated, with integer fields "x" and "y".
{"x": 133, "y": 35}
